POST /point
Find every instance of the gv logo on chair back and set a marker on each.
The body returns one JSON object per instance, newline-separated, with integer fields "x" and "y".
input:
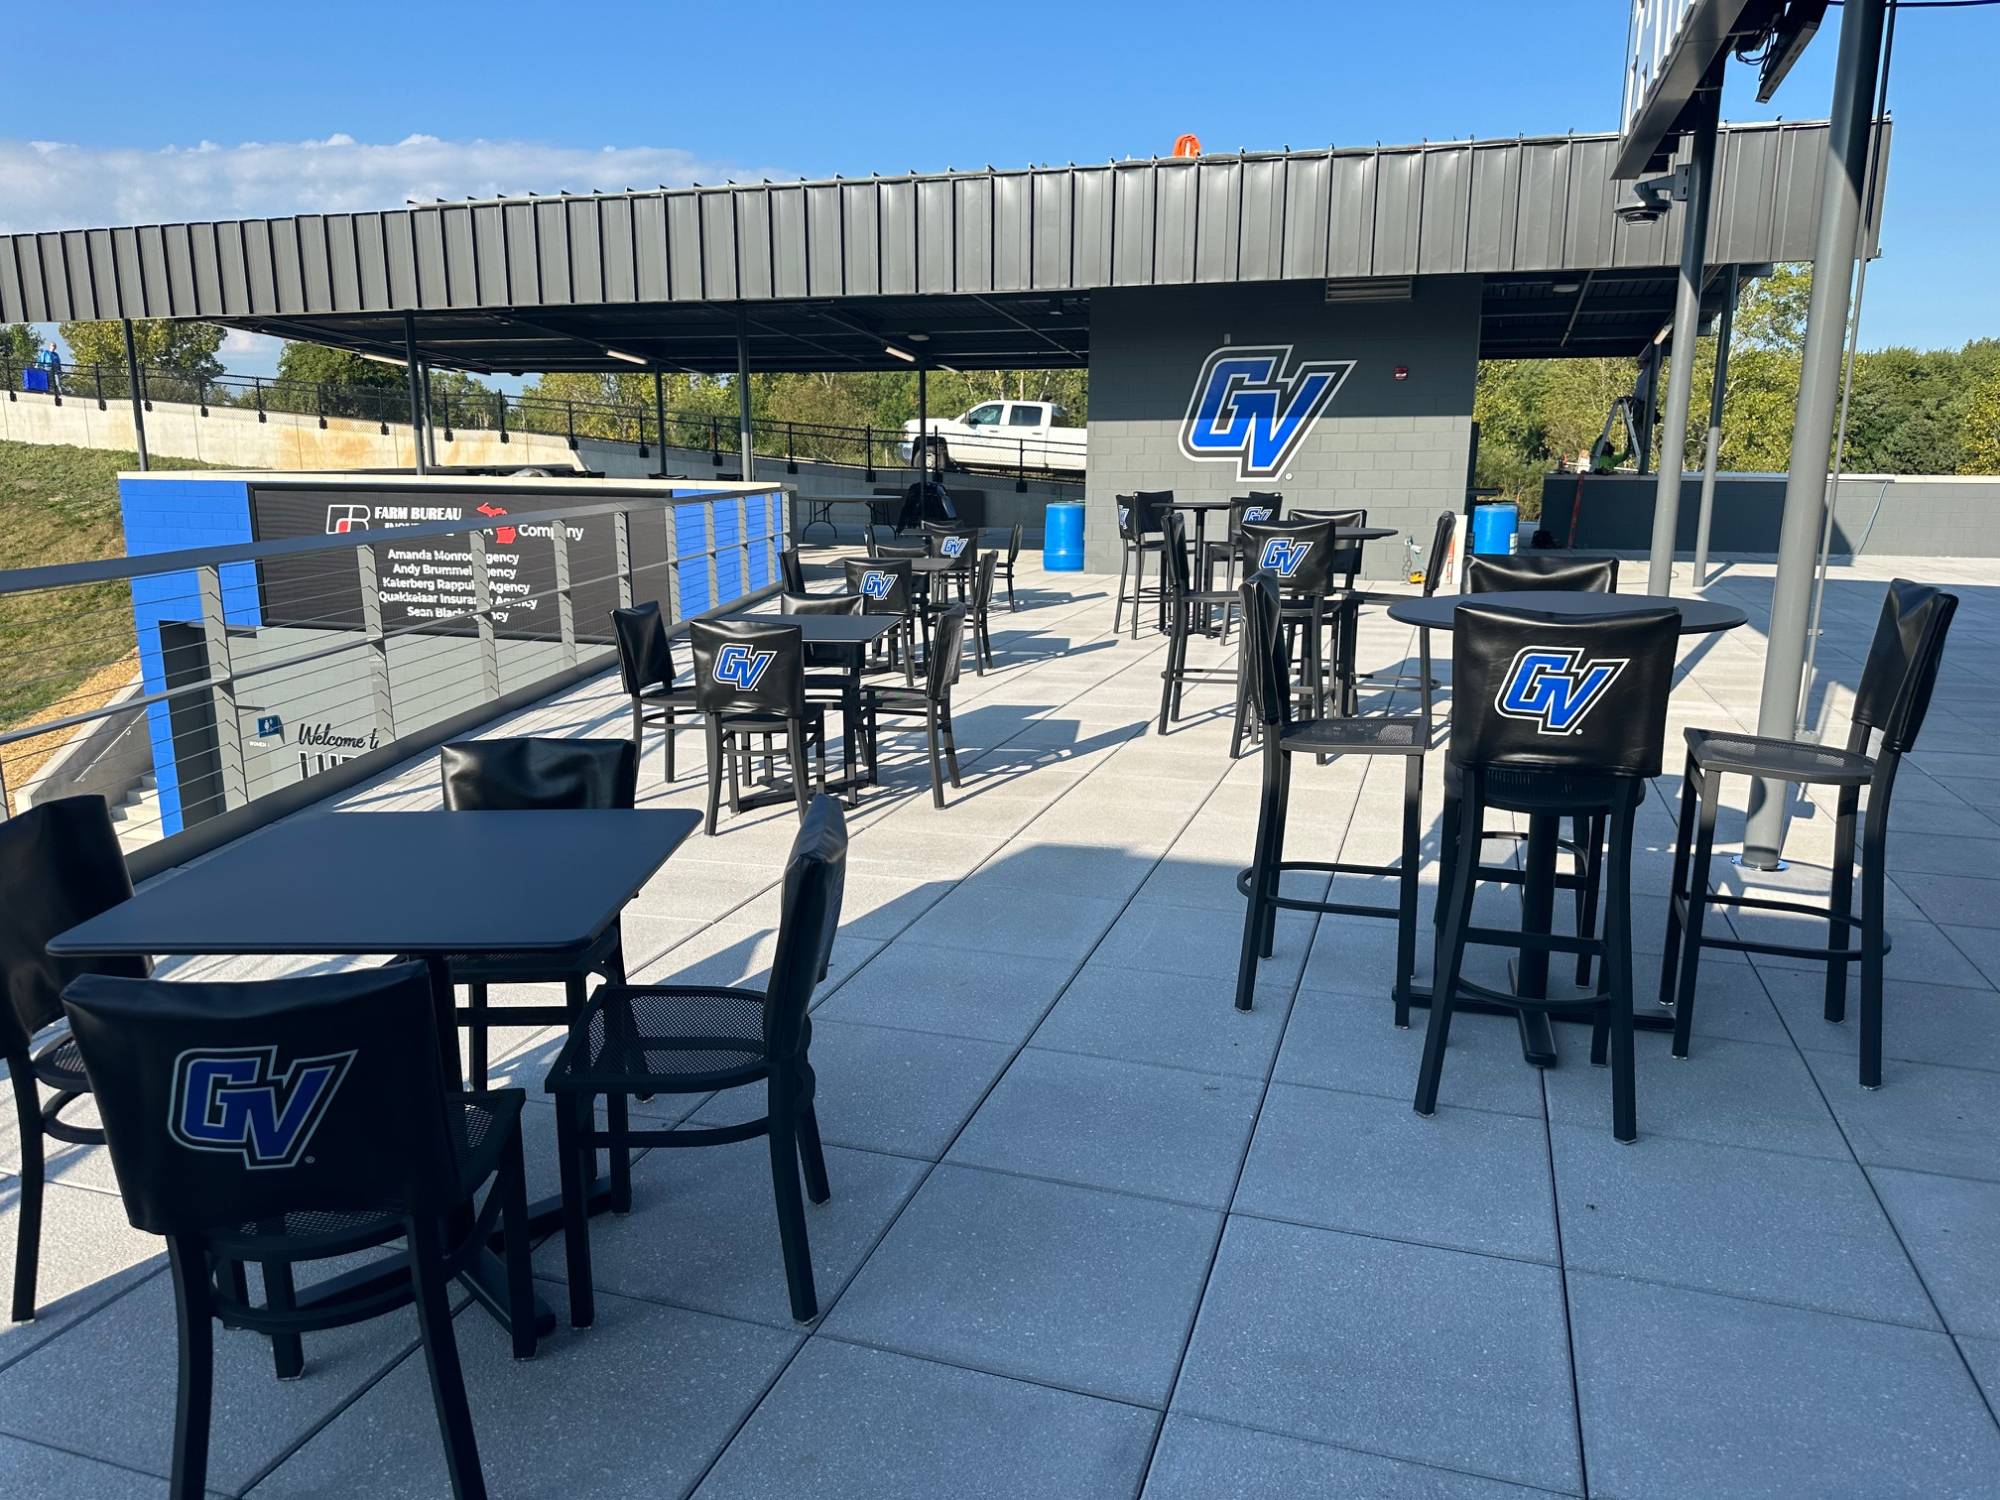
{"x": 952, "y": 546}
{"x": 1555, "y": 688}
{"x": 235, "y": 1099}
{"x": 1283, "y": 555}
{"x": 741, "y": 667}
{"x": 1256, "y": 512}
{"x": 876, "y": 584}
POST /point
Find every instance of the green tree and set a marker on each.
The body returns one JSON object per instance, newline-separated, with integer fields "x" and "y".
{"x": 317, "y": 378}
{"x": 1979, "y": 429}
{"x": 179, "y": 357}
{"x": 19, "y": 344}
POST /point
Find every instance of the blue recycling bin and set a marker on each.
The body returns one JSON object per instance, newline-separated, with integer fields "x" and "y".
{"x": 1062, "y": 537}
{"x": 1496, "y": 529}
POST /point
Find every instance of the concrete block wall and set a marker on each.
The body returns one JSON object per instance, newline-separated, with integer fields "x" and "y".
{"x": 1397, "y": 447}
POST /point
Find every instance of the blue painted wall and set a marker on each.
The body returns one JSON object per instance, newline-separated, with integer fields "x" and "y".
{"x": 165, "y": 515}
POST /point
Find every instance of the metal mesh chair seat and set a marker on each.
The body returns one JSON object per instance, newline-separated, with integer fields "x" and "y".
{"x": 663, "y": 1039}
{"x": 1359, "y": 735}
{"x": 679, "y": 693}
{"x": 1788, "y": 760}
{"x": 60, "y": 1065}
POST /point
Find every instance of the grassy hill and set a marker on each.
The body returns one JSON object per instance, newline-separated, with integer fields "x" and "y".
{"x": 67, "y": 651}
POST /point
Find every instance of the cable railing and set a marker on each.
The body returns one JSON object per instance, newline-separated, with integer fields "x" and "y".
{"x": 254, "y": 678}
{"x": 713, "y": 433}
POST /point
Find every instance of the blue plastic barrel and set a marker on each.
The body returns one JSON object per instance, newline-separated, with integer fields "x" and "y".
{"x": 1062, "y": 537}
{"x": 1496, "y": 529}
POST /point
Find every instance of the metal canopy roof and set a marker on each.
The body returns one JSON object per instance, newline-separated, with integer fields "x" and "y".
{"x": 984, "y": 269}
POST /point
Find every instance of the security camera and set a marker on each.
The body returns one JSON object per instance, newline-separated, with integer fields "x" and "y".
{"x": 1652, "y": 197}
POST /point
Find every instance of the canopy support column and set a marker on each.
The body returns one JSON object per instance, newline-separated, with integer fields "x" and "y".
{"x": 743, "y": 389}
{"x": 138, "y": 395}
{"x": 1834, "y": 249}
{"x": 415, "y": 380}
{"x": 1712, "y": 454}
{"x": 660, "y": 419}
{"x": 1687, "y": 326}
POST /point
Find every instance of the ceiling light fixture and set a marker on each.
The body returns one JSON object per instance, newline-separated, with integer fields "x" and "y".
{"x": 902, "y": 354}
{"x": 630, "y": 359}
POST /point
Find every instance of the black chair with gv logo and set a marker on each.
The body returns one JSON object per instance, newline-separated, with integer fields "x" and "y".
{"x": 1344, "y": 601}
{"x": 750, "y": 680}
{"x": 960, "y": 546}
{"x": 889, "y": 586}
{"x": 1285, "y": 735}
{"x": 1257, "y": 506}
{"x": 534, "y": 775}
{"x": 1893, "y": 697}
{"x": 702, "y": 1039}
{"x": 295, "y": 1120}
{"x": 1139, "y": 537}
{"x": 1553, "y": 717}
{"x": 60, "y": 864}
{"x": 646, "y": 667}
{"x": 1299, "y": 556}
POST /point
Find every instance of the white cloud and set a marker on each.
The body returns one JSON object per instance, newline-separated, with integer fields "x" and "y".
{"x": 55, "y": 185}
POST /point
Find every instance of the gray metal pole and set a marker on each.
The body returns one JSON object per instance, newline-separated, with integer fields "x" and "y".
{"x": 660, "y": 420}
{"x": 430, "y": 418}
{"x": 1687, "y": 327}
{"x": 414, "y": 378}
{"x": 743, "y": 390}
{"x": 138, "y": 395}
{"x": 921, "y": 459}
{"x": 1812, "y": 430}
{"x": 1713, "y": 453}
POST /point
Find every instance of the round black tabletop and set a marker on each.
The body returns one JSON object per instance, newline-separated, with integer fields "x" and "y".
{"x": 1698, "y": 616}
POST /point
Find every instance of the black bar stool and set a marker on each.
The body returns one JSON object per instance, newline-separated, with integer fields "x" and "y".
{"x": 646, "y": 667}
{"x": 1300, "y": 557}
{"x": 1187, "y": 610}
{"x": 298, "y": 1119}
{"x": 1139, "y": 536}
{"x": 1548, "y": 717}
{"x": 1895, "y": 692}
{"x": 1270, "y": 688}
{"x": 1434, "y": 574}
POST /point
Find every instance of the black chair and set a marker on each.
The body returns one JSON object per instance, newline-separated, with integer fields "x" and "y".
{"x": 750, "y": 680}
{"x": 1299, "y": 555}
{"x": 1187, "y": 613}
{"x": 792, "y": 571}
{"x": 1344, "y": 600}
{"x": 1553, "y": 717}
{"x": 1894, "y": 695}
{"x": 646, "y": 667}
{"x": 1285, "y": 736}
{"x": 1139, "y": 537}
{"x": 1257, "y": 506}
{"x": 294, "y": 1120}
{"x": 700, "y": 1039}
{"x": 931, "y": 700}
{"x": 890, "y": 586}
{"x": 1492, "y": 573}
{"x": 534, "y": 775}
{"x": 1007, "y": 561}
{"x": 59, "y": 865}
{"x": 981, "y": 606}
{"x": 1536, "y": 572}
{"x": 960, "y": 545}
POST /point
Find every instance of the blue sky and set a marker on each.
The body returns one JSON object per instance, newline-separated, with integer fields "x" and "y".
{"x": 208, "y": 108}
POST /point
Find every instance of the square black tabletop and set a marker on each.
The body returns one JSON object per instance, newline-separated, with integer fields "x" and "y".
{"x": 398, "y": 882}
{"x": 829, "y": 630}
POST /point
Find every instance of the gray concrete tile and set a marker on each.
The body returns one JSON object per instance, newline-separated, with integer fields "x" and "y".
{"x": 1732, "y": 1001}
{"x": 639, "y": 1403}
{"x": 1351, "y": 1042}
{"x": 1929, "y": 1119}
{"x": 1102, "y": 1122}
{"x": 1951, "y": 1228}
{"x": 1465, "y": 1368}
{"x": 1929, "y": 1023}
{"x": 1067, "y": 868}
{"x": 1730, "y": 1093}
{"x": 993, "y": 917}
{"x": 917, "y": 988}
{"x": 1952, "y": 900}
{"x": 121, "y": 1363}
{"x": 90, "y": 1254}
{"x": 1185, "y": 940}
{"x": 845, "y": 1420}
{"x": 1201, "y": 1460}
{"x": 1088, "y": 1290}
{"x": 1725, "y": 1219}
{"x": 1983, "y": 1355}
{"x": 905, "y": 1092}
{"x": 703, "y": 1233}
{"x": 1464, "y": 1179}
{"x": 50, "y": 1474}
{"x": 1781, "y": 1391}
{"x": 1169, "y": 1019}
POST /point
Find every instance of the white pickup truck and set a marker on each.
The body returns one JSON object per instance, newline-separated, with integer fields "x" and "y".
{"x": 1003, "y": 435}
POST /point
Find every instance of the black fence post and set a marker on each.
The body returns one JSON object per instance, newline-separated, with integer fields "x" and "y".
{"x": 1020, "y": 466}
{"x": 319, "y": 404}
{"x": 569, "y": 410}
{"x": 97, "y": 371}
{"x": 257, "y": 396}
{"x": 791, "y": 451}
{"x": 868, "y": 452}
{"x": 503, "y": 417}
{"x": 714, "y": 443}
{"x": 445, "y": 401}
{"x": 201, "y": 394}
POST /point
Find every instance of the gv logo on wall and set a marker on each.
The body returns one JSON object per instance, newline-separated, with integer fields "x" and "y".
{"x": 1555, "y": 688}
{"x": 234, "y": 1099}
{"x": 1253, "y": 407}
{"x": 741, "y": 667}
